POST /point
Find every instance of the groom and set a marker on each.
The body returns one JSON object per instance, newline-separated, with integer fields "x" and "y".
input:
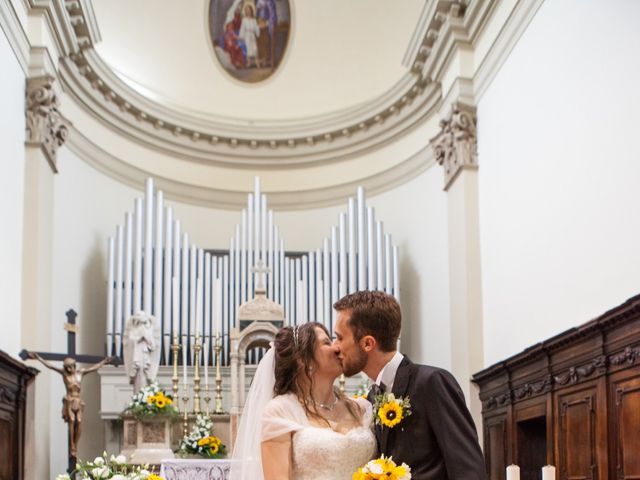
{"x": 438, "y": 439}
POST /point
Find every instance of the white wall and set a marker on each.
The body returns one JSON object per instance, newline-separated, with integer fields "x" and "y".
{"x": 559, "y": 171}
{"x": 12, "y": 134}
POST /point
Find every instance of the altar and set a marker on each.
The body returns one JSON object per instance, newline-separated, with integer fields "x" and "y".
{"x": 195, "y": 469}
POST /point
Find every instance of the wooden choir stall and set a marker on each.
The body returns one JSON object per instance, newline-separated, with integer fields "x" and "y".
{"x": 572, "y": 401}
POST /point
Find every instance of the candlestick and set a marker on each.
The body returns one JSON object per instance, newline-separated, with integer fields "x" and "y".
{"x": 207, "y": 399}
{"x": 196, "y": 376}
{"x": 185, "y": 418}
{"x": 513, "y": 472}
{"x": 175, "y": 379}
{"x": 342, "y": 382}
{"x": 549, "y": 472}
{"x": 218, "y": 349}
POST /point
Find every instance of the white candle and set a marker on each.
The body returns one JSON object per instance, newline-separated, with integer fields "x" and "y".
{"x": 198, "y": 312}
{"x": 549, "y": 472}
{"x": 176, "y": 305}
{"x": 206, "y": 364}
{"x": 513, "y": 472}
{"x": 184, "y": 362}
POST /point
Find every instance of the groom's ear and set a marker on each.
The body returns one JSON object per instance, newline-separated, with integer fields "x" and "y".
{"x": 368, "y": 343}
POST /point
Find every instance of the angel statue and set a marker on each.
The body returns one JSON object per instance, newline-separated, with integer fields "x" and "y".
{"x": 141, "y": 349}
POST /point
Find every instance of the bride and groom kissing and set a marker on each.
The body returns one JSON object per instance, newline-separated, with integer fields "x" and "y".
{"x": 296, "y": 425}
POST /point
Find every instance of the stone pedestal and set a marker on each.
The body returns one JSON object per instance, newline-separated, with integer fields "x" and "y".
{"x": 147, "y": 441}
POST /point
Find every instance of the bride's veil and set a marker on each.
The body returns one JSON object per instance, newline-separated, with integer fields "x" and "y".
{"x": 247, "y": 460}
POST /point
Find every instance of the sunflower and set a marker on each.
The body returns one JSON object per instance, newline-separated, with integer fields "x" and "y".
{"x": 390, "y": 414}
{"x": 151, "y": 399}
{"x": 204, "y": 441}
{"x": 214, "y": 448}
{"x": 153, "y": 476}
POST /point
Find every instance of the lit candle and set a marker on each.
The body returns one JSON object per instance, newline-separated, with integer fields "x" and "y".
{"x": 549, "y": 472}
{"x": 175, "y": 305}
{"x": 513, "y": 472}
{"x": 206, "y": 364}
{"x": 184, "y": 362}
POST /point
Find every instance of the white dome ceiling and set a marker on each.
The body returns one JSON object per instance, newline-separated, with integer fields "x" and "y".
{"x": 340, "y": 55}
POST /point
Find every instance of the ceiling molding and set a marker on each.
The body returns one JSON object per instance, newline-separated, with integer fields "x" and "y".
{"x": 260, "y": 143}
{"x": 216, "y": 198}
{"x": 16, "y": 36}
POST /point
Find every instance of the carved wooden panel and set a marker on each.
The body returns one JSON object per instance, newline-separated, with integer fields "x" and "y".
{"x": 495, "y": 447}
{"x": 8, "y": 468}
{"x": 577, "y": 435}
{"x": 626, "y": 423}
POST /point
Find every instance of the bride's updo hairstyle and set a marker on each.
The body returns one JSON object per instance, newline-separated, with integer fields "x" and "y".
{"x": 294, "y": 364}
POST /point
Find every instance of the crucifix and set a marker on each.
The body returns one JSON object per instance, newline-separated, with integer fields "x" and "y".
{"x": 72, "y": 404}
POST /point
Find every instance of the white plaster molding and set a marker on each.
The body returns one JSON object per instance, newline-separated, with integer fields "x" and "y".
{"x": 509, "y": 35}
{"x": 15, "y": 33}
{"x": 455, "y": 147}
{"x": 216, "y": 198}
{"x": 45, "y": 125}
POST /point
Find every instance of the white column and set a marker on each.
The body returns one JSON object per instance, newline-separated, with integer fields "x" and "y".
{"x": 326, "y": 283}
{"x": 334, "y": 264}
{"x": 157, "y": 260}
{"x": 379, "y": 258}
{"x": 128, "y": 254}
{"x": 119, "y": 320}
{"x": 168, "y": 275}
{"x": 352, "y": 245}
{"x": 342, "y": 267}
{"x": 177, "y": 274}
{"x": 371, "y": 263}
{"x": 110, "y": 280}
{"x": 184, "y": 285}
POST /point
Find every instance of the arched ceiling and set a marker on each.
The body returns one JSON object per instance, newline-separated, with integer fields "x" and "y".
{"x": 341, "y": 54}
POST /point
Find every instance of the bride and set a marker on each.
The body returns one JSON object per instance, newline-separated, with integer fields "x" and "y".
{"x": 296, "y": 425}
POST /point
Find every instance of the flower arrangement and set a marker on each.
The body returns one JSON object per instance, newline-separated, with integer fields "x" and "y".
{"x": 151, "y": 401}
{"x": 363, "y": 389}
{"x": 383, "y": 468}
{"x": 201, "y": 440}
{"x": 390, "y": 410}
{"x": 113, "y": 468}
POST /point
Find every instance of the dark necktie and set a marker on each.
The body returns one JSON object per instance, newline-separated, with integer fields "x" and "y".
{"x": 378, "y": 389}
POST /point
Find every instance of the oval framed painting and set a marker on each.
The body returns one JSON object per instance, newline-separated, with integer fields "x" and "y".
{"x": 249, "y": 37}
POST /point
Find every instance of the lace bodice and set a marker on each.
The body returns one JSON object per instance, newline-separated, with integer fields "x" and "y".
{"x": 323, "y": 454}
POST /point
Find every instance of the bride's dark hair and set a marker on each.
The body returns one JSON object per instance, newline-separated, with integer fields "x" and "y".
{"x": 294, "y": 364}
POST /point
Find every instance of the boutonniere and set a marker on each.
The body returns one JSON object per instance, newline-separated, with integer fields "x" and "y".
{"x": 389, "y": 410}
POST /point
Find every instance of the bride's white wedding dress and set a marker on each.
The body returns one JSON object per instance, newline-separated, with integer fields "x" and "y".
{"x": 319, "y": 453}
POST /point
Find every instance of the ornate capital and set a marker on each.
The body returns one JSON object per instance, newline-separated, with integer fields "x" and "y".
{"x": 46, "y": 127}
{"x": 455, "y": 146}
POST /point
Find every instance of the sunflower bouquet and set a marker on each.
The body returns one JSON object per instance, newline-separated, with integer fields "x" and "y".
{"x": 114, "y": 468}
{"x": 201, "y": 440}
{"x": 390, "y": 410}
{"x": 151, "y": 401}
{"x": 383, "y": 468}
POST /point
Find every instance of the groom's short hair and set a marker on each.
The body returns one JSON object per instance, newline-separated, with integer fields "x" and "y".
{"x": 373, "y": 313}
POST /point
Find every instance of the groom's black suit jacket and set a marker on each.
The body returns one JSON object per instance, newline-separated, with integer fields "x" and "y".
{"x": 438, "y": 440}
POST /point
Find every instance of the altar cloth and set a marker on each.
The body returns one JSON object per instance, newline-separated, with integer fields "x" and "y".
{"x": 195, "y": 469}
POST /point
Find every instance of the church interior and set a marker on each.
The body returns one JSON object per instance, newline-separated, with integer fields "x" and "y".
{"x": 474, "y": 158}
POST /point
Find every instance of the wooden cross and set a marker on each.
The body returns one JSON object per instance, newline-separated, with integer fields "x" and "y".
{"x": 71, "y": 328}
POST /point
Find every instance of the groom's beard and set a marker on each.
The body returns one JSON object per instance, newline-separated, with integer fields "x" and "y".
{"x": 355, "y": 364}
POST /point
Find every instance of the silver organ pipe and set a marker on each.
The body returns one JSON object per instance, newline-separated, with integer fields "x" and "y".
{"x": 150, "y": 251}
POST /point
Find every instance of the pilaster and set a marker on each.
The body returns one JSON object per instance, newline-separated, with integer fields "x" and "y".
{"x": 455, "y": 149}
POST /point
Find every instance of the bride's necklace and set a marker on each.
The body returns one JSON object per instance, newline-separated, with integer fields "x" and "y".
{"x": 328, "y": 406}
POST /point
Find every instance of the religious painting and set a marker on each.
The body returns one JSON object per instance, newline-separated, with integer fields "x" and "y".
{"x": 249, "y": 36}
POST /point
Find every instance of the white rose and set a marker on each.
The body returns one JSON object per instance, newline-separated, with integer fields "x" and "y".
{"x": 63, "y": 476}
{"x": 376, "y": 469}
{"x": 118, "y": 476}
{"x": 143, "y": 473}
{"x": 121, "y": 459}
{"x": 98, "y": 461}
{"x": 100, "y": 472}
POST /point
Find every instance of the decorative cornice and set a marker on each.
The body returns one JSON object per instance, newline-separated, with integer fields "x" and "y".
{"x": 45, "y": 126}
{"x": 628, "y": 356}
{"x": 16, "y": 34}
{"x": 455, "y": 147}
{"x": 217, "y": 198}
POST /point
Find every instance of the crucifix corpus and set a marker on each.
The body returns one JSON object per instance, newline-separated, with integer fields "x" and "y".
{"x": 72, "y": 404}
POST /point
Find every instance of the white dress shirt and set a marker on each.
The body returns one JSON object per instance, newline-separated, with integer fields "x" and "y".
{"x": 388, "y": 373}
